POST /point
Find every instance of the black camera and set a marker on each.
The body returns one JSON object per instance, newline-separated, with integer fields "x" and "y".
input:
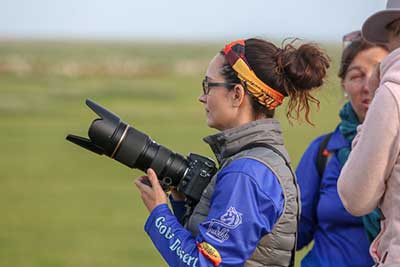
{"x": 110, "y": 136}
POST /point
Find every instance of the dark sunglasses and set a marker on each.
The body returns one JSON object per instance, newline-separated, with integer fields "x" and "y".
{"x": 207, "y": 86}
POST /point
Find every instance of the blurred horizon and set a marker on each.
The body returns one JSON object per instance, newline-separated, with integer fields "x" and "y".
{"x": 178, "y": 20}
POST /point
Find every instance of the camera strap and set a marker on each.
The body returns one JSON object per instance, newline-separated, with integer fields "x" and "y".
{"x": 254, "y": 145}
{"x": 275, "y": 150}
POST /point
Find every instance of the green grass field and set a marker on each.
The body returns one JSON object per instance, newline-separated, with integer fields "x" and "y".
{"x": 62, "y": 206}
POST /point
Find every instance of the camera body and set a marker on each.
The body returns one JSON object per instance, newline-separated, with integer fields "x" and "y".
{"x": 110, "y": 136}
{"x": 199, "y": 173}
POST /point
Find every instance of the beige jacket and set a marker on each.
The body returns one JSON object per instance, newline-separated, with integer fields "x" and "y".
{"x": 371, "y": 175}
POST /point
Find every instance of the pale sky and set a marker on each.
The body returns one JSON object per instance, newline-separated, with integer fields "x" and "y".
{"x": 183, "y": 19}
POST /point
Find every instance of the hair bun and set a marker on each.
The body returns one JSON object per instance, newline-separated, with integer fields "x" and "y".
{"x": 304, "y": 67}
{"x": 292, "y": 71}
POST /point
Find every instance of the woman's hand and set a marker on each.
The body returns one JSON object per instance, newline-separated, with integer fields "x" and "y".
{"x": 151, "y": 191}
{"x": 177, "y": 196}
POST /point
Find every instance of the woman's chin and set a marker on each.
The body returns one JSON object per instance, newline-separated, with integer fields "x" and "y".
{"x": 210, "y": 123}
{"x": 213, "y": 125}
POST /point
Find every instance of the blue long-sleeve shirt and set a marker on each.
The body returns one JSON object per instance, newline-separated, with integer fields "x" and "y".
{"x": 339, "y": 238}
{"x": 246, "y": 203}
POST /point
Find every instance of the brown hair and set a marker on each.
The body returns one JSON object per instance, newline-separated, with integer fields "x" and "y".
{"x": 351, "y": 51}
{"x": 291, "y": 71}
{"x": 394, "y": 27}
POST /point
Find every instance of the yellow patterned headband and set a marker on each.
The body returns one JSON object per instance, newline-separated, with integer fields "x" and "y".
{"x": 265, "y": 95}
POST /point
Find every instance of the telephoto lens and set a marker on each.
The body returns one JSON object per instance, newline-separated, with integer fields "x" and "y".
{"x": 110, "y": 136}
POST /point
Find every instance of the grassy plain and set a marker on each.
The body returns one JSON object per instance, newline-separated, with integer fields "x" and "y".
{"x": 61, "y": 206}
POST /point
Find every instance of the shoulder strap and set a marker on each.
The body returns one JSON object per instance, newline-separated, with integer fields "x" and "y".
{"x": 321, "y": 157}
{"x": 253, "y": 145}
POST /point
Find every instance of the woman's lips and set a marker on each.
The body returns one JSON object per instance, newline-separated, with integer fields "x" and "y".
{"x": 366, "y": 102}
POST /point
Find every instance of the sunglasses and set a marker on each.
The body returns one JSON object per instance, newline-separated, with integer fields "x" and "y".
{"x": 207, "y": 85}
{"x": 351, "y": 37}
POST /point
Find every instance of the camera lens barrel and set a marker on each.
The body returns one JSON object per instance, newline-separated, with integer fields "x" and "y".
{"x": 133, "y": 148}
{"x": 110, "y": 136}
{"x": 137, "y": 150}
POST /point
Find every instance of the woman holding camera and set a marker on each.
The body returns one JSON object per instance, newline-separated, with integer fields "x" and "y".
{"x": 340, "y": 239}
{"x": 248, "y": 214}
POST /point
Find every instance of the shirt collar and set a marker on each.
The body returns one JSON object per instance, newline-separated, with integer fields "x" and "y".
{"x": 228, "y": 142}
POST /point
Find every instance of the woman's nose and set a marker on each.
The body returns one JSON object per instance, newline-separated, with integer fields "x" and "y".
{"x": 202, "y": 98}
{"x": 365, "y": 83}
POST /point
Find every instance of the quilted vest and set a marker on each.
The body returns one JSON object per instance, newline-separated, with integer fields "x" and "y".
{"x": 277, "y": 247}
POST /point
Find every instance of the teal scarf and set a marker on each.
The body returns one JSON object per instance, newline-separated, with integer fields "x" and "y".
{"x": 348, "y": 128}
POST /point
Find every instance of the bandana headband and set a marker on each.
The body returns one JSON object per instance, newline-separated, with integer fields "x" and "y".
{"x": 265, "y": 95}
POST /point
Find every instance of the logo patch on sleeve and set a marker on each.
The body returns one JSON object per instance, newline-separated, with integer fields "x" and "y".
{"x": 218, "y": 229}
{"x": 210, "y": 253}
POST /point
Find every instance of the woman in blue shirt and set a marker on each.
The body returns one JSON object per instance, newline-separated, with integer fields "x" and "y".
{"x": 248, "y": 213}
{"x": 340, "y": 239}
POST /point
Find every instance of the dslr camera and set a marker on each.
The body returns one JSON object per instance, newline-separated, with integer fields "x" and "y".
{"x": 110, "y": 136}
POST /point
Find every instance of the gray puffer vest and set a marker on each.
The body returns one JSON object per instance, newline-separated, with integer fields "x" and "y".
{"x": 277, "y": 247}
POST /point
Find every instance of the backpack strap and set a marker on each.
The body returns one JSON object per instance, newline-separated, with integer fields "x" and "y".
{"x": 322, "y": 156}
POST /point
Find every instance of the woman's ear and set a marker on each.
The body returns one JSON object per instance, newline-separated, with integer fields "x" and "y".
{"x": 238, "y": 95}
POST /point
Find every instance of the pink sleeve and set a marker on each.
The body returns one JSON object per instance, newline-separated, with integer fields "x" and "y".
{"x": 362, "y": 181}
{"x": 355, "y": 140}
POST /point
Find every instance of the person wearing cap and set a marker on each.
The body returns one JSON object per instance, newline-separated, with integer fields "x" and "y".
{"x": 371, "y": 176}
{"x": 248, "y": 214}
{"x": 340, "y": 239}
